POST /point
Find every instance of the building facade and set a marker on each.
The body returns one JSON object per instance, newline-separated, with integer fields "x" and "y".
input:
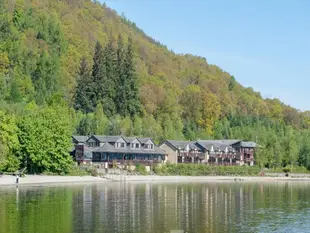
{"x": 216, "y": 152}
{"x": 106, "y": 150}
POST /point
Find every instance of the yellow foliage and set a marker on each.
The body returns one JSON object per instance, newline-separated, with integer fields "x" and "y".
{"x": 211, "y": 110}
{"x": 4, "y": 62}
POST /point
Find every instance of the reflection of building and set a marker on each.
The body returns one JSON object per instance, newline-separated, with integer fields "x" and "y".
{"x": 219, "y": 152}
{"x": 106, "y": 149}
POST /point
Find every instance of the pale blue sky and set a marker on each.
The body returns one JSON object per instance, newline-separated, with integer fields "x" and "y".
{"x": 265, "y": 44}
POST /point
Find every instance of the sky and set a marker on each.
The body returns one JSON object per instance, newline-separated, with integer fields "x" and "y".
{"x": 265, "y": 44}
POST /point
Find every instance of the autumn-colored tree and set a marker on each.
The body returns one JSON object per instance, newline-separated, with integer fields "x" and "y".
{"x": 210, "y": 112}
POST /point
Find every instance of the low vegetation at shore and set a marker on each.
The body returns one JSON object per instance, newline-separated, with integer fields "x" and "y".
{"x": 295, "y": 169}
{"x": 75, "y": 170}
{"x": 206, "y": 170}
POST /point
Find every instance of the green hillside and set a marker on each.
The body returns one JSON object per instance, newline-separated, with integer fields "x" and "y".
{"x": 131, "y": 85}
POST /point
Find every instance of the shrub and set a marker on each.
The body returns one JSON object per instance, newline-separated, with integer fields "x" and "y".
{"x": 140, "y": 168}
{"x": 206, "y": 170}
{"x": 78, "y": 171}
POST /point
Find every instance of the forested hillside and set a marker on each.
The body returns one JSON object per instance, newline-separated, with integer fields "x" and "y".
{"x": 76, "y": 67}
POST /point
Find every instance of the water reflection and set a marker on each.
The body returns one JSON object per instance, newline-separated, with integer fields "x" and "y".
{"x": 116, "y": 207}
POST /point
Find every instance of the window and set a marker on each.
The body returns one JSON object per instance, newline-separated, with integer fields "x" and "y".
{"x": 137, "y": 145}
{"x": 122, "y": 145}
{"x": 149, "y": 146}
{"x": 93, "y": 144}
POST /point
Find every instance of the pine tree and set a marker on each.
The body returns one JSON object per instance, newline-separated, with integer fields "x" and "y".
{"x": 121, "y": 95}
{"x": 108, "y": 101}
{"x": 98, "y": 74}
{"x": 127, "y": 100}
{"x": 84, "y": 89}
{"x": 134, "y": 104}
{"x": 104, "y": 78}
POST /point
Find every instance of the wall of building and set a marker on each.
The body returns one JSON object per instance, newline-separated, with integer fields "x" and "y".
{"x": 172, "y": 155}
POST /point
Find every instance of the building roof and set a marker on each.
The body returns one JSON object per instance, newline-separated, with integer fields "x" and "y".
{"x": 80, "y": 139}
{"x": 218, "y": 142}
{"x": 144, "y": 140}
{"x": 107, "y": 147}
{"x": 248, "y": 144}
{"x": 103, "y": 138}
{"x": 183, "y": 144}
{"x": 130, "y": 139}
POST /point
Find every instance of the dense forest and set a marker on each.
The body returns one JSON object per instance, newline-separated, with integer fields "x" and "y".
{"x": 76, "y": 67}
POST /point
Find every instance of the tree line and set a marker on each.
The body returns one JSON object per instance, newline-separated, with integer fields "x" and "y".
{"x": 112, "y": 82}
{"x": 77, "y": 81}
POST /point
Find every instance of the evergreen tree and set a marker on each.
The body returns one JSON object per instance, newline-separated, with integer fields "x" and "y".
{"x": 131, "y": 84}
{"x": 121, "y": 95}
{"x": 98, "y": 74}
{"x": 127, "y": 100}
{"x": 45, "y": 77}
{"x": 110, "y": 80}
{"x": 84, "y": 94}
{"x": 232, "y": 83}
{"x": 87, "y": 125}
{"x": 104, "y": 78}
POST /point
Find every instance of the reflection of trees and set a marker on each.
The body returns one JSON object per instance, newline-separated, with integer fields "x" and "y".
{"x": 116, "y": 207}
{"x": 36, "y": 210}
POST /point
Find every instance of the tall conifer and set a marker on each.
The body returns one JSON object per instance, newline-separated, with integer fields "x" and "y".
{"x": 84, "y": 92}
{"x": 121, "y": 94}
{"x": 132, "y": 89}
{"x": 98, "y": 73}
{"x": 110, "y": 79}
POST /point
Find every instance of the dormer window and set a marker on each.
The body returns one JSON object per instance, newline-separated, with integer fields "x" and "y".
{"x": 93, "y": 144}
{"x": 122, "y": 145}
{"x": 137, "y": 145}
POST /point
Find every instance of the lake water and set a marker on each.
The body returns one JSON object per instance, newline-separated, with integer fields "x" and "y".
{"x": 148, "y": 208}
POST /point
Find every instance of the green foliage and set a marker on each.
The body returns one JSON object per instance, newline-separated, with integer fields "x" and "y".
{"x": 84, "y": 94}
{"x": 140, "y": 168}
{"x": 121, "y": 81}
{"x": 9, "y": 143}
{"x": 45, "y": 141}
{"x": 205, "y": 170}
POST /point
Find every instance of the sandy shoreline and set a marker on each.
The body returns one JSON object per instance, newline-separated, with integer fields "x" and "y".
{"x": 43, "y": 179}
{"x": 71, "y": 180}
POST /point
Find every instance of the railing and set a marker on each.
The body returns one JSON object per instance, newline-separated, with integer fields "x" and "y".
{"x": 223, "y": 156}
{"x": 191, "y": 154}
{"x": 134, "y": 161}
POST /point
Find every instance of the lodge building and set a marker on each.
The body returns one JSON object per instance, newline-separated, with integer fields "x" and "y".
{"x": 217, "y": 152}
{"x": 98, "y": 149}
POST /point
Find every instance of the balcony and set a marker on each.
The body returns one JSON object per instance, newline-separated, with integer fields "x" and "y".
{"x": 191, "y": 154}
{"x": 223, "y": 155}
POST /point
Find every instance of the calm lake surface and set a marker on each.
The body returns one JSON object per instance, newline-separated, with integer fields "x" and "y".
{"x": 147, "y": 207}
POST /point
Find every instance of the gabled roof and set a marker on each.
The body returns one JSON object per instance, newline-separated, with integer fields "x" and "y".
{"x": 103, "y": 138}
{"x": 80, "y": 139}
{"x": 107, "y": 147}
{"x": 144, "y": 140}
{"x": 130, "y": 139}
{"x": 218, "y": 142}
{"x": 182, "y": 144}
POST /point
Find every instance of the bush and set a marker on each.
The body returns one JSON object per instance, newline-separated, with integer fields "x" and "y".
{"x": 94, "y": 172}
{"x": 140, "y": 168}
{"x": 206, "y": 170}
{"x": 78, "y": 171}
{"x": 48, "y": 173}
